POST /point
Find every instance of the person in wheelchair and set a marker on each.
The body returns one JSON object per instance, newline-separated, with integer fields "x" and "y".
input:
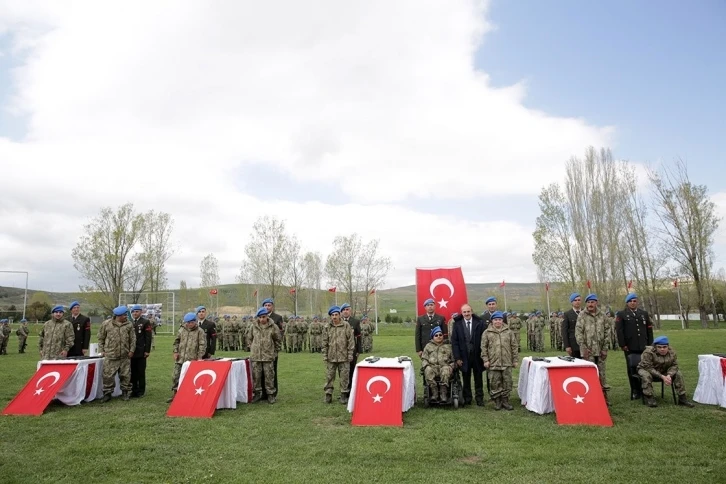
{"x": 660, "y": 362}
{"x": 437, "y": 362}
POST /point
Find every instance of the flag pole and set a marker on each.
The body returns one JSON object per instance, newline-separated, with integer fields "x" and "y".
{"x": 257, "y": 299}
{"x": 375, "y": 302}
{"x": 336, "y": 296}
{"x": 547, "y": 290}
{"x": 505, "y": 296}
{"x": 680, "y": 308}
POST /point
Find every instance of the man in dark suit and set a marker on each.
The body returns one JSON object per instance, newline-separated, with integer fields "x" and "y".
{"x": 491, "y": 303}
{"x": 345, "y": 314}
{"x": 210, "y": 329}
{"x": 81, "y": 331}
{"x": 466, "y": 345}
{"x": 427, "y": 322}
{"x": 269, "y": 304}
{"x": 144, "y": 332}
{"x": 569, "y": 320}
{"x": 635, "y": 331}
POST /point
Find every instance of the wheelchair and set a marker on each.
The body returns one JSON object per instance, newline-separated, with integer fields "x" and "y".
{"x": 454, "y": 396}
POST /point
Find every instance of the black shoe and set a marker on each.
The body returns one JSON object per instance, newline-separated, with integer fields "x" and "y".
{"x": 650, "y": 401}
{"x": 682, "y": 400}
{"x": 106, "y": 398}
{"x": 328, "y": 398}
{"x": 479, "y": 402}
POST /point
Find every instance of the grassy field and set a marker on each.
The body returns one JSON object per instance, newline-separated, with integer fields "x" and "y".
{"x": 302, "y": 439}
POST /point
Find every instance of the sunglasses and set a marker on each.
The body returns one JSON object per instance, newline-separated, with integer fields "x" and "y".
{"x": 438, "y": 334}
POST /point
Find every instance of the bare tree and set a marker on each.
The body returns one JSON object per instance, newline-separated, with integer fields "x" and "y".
{"x": 156, "y": 248}
{"x": 209, "y": 271}
{"x": 295, "y": 275}
{"x": 264, "y": 254}
{"x": 184, "y": 297}
{"x": 342, "y": 264}
{"x": 314, "y": 274}
{"x": 373, "y": 269}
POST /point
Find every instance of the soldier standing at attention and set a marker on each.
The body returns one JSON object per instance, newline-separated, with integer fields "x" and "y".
{"x": 190, "y": 344}
{"x": 144, "y": 333}
{"x": 56, "y": 337}
{"x": 210, "y": 330}
{"x": 515, "y": 325}
{"x": 265, "y": 343}
{"x": 116, "y": 343}
{"x": 269, "y": 304}
{"x": 4, "y": 336}
{"x": 591, "y": 333}
{"x": 425, "y": 323}
{"x": 355, "y": 326}
{"x": 81, "y": 330}
{"x": 569, "y": 321}
{"x": 539, "y": 325}
{"x": 660, "y": 361}
{"x": 23, "y": 332}
{"x": 365, "y": 332}
{"x": 635, "y": 332}
{"x": 491, "y": 304}
{"x": 500, "y": 354}
{"x": 338, "y": 349}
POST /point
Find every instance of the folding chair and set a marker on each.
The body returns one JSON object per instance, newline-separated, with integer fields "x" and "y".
{"x": 633, "y": 361}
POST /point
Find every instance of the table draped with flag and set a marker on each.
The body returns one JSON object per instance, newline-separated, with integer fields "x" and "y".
{"x": 86, "y": 382}
{"x": 377, "y": 386}
{"x": 710, "y": 389}
{"x": 533, "y": 387}
{"x": 238, "y": 386}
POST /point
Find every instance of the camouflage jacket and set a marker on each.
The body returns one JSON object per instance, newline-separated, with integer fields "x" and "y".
{"x": 55, "y": 337}
{"x": 656, "y": 364}
{"x": 539, "y": 324}
{"x": 116, "y": 340}
{"x": 515, "y": 324}
{"x": 316, "y": 328}
{"x": 592, "y": 332}
{"x": 365, "y": 329}
{"x": 265, "y": 341}
{"x": 437, "y": 355}
{"x": 6, "y": 330}
{"x": 190, "y": 344}
{"x": 499, "y": 347}
{"x": 23, "y": 331}
{"x": 338, "y": 343}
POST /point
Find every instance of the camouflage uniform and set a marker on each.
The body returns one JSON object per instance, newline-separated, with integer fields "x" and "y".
{"x": 116, "y": 341}
{"x": 613, "y": 333}
{"x": 338, "y": 348}
{"x": 365, "y": 336}
{"x": 515, "y": 326}
{"x": 316, "y": 330}
{"x": 265, "y": 342}
{"x": 189, "y": 344}
{"x": 54, "y": 338}
{"x": 652, "y": 364}
{"x": 499, "y": 348}
{"x": 437, "y": 360}
{"x": 591, "y": 333}
{"x": 290, "y": 333}
{"x": 530, "y": 332}
{"x": 539, "y": 325}
{"x": 4, "y": 338}
{"x": 23, "y": 332}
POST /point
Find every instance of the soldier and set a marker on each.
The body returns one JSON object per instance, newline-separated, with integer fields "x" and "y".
{"x": 23, "y": 332}
{"x": 316, "y": 331}
{"x": 591, "y": 335}
{"x": 635, "y": 332}
{"x": 269, "y": 304}
{"x": 569, "y": 321}
{"x": 144, "y": 333}
{"x": 81, "y": 330}
{"x": 530, "y": 332}
{"x": 553, "y": 323}
{"x": 116, "y": 343}
{"x": 190, "y": 344}
{"x": 338, "y": 349}
{"x": 290, "y": 335}
{"x": 365, "y": 334}
{"x": 613, "y": 331}
{"x": 5, "y": 331}
{"x": 437, "y": 361}
{"x": 491, "y": 304}
{"x": 265, "y": 343}
{"x": 425, "y": 323}
{"x": 515, "y": 326}
{"x": 355, "y": 326}
{"x": 56, "y": 337}
{"x": 500, "y": 354}
{"x": 539, "y": 325}
{"x": 660, "y": 361}
{"x": 210, "y": 330}
{"x": 305, "y": 334}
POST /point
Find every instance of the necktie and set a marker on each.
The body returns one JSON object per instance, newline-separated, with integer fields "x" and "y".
{"x": 468, "y": 327}
{"x": 431, "y": 318}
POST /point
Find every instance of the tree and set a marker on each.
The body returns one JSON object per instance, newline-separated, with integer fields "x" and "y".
{"x": 314, "y": 275}
{"x": 373, "y": 269}
{"x": 295, "y": 275}
{"x": 38, "y": 311}
{"x": 157, "y": 248}
{"x": 688, "y": 223}
{"x": 42, "y": 297}
{"x": 103, "y": 255}
{"x": 209, "y": 272}
{"x": 184, "y": 296}
{"x": 264, "y": 262}
{"x": 341, "y": 266}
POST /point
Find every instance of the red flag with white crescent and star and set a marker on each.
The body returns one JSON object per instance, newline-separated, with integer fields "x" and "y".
{"x": 40, "y": 390}
{"x": 200, "y": 389}
{"x": 445, "y": 286}
{"x": 378, "y": 397}
{"x": 578, "y": 397}
{"x": 332, "y": 289}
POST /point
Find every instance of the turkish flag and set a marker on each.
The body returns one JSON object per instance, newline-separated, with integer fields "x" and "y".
{"x": 293, "y": 291}
{"x": 332, "y": 289}
{"x": 373, "y": 291}
{"x": 547, "y": 286}
{"x": 200, "y": 389}
{"x": 675, "y": 282}
{"x": 630, "y": 284}
{"x": 40, "y": 390}
{"x": 213, "y": 292}
{"x": 254, "y": 294}
{"x": 578, "y": 397}
{"x": 589, "y": 285}
{"x": 445, "y": 286}
{"x": 378, "y": 397}
{"x": 502, "y": 284}
{"x": 723, "y": 367}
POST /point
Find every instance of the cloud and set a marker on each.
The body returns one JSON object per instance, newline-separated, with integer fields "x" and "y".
{"x": 170, "y": 104}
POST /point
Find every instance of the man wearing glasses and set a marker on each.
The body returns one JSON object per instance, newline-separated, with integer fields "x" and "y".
{"x": 568, "y": 326}
{"x": 660, "y": 361}
{"x": 466, "y": 343}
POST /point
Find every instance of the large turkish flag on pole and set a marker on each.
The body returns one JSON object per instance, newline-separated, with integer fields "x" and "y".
{"x": 40, "y": 390}
{"x": 200, "y": 389}
{"x": 578, "y": 397}
{"x": 378, "y": 397}
{"x": 445, "y": 285}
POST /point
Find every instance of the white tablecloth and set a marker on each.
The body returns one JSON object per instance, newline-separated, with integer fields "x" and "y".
{"x": 237, "y": 388}
{"x": 533, "y": 387}
{"x": 409, "y": 381}
{"x": 74, "y": 390}
{"x": 710, "y": 389}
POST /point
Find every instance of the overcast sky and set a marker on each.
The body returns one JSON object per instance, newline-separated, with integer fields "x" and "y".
{"x": 431, "y": 126}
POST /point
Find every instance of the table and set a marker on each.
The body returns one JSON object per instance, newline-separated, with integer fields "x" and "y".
{"x": 237, "y": 388}
{"x": 710, "y": 389}
{"x": 533, "y": 387}
{"x": 79, "y": 388}
{"x": 409, "y": 381}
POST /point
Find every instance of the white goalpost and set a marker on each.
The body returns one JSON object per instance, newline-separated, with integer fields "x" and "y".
{"x": 159, "y": 307}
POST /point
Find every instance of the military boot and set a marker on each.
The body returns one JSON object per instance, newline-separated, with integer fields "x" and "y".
{"x": 433, "y": 393}
{"x": 125, "y": 396}
{"x": 505, "y": 403}
{"x": 683, "y": 400}
{"x": 445, "y": 395}
{"x": 106, "y": 398}
{"x": 172, "y": 397}
{"x": 328, "y": 398}
{"x": 257, "y": 397}
{"x": 344, "y": 398}
{"x": 498, "y": 403}
{"x": 271, "y": 399}
{"x": 650, "y": 401}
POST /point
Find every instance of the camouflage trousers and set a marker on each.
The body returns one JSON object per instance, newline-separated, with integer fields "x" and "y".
{"x": 500, "y": 382}
{"x": 343, "y": 370}
{"x": 539, "y": 341}
{"x": 110, "y": 368}
{"x": 175, "y": 375}
{"x": 646, "y": 380}
{"x": 21, "y": 343}
{"x": 600, "y": 362}
{"x": 442, "y": 371}
{"x": 290, "y": 341}
{"x": 367, "y": 343}
{"x": 4, "y": 345}
{"x": 316, "y": 341}
{"x": 268, "y": 369}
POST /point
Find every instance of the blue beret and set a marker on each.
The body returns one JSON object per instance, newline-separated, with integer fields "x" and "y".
{"x": 333, "y": 309}
{"x": 136, "y": 307}
{"x": 120, "y": 311}
{"x": 428, "y": 301}
{"x": 490, "y": 299}
{"x": 23, "y": 320}
{"x": 591, "y": 297}
{"x": 3, "y": 320}
{"x": 262, "y": 312}
{"x": 200, "y": 308}
{"x": 58, "y": 308}
{"x": 73, "y": 304}
{"x": 630, "y": 297}
{"x": 574, "y": 296}
{"x": 437, "y": 329}
{"x": 365, "y": 316}
{"x": 661, "y": 340}
{"x": 268, "y": 300}
{"x": 497, "y": 315}
{"x": 344, "y": 306}
{"x": 189, "y": 317}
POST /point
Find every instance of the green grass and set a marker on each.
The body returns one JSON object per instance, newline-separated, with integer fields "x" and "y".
{"x": 302, "y": 439}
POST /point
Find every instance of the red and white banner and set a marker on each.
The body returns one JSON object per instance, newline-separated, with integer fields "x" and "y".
{"x": 378, "y": 397}
{"x": 332, "y": 289}
{"x": 578, "y": 397}
{"x": 40, "y": 390}
{"x": 200, "y": 389}
{"x": 445, "y": 286}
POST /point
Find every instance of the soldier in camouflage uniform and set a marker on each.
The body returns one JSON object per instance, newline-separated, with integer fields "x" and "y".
{"x": 552, "y": 330}
{"x": 116, "y": 343}
{"x": 365, "y": 335}
{"x": 5, "y": 332}
{"x": 530, "y": 332}
{"x": 437, "y": 360}
{"x": 56, "y": 337}
{"x": 500, "y": 353}
{"x": 190, "y": 344}
{"x": 227, "y": 336}
{"x": 23, "y": 332}
{"x": 265, "y": 343}
{"x": 539, "y": 326}
{"x": 316, "y": 330}
{"x": 515, "y": 326}
{"x": 660, "y": 361}
{"x": 289, "y": 335}
{"x": 591, "y": 334}
{"x": 338, "y": 349}
{"x": 613, "y": 332}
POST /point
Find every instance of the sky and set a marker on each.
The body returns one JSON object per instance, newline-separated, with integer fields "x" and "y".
{"x": 430, "y": 126}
